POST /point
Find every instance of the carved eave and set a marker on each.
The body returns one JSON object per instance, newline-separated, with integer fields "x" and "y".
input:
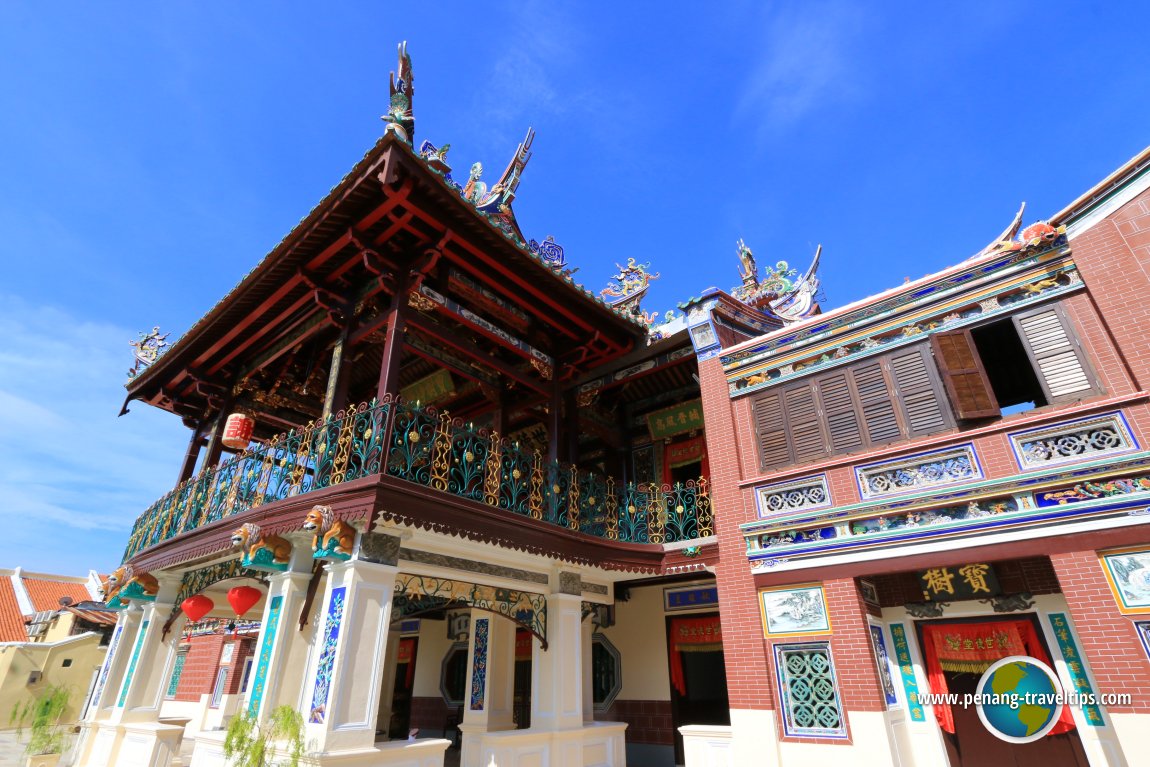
{"x": 390, "y": 221}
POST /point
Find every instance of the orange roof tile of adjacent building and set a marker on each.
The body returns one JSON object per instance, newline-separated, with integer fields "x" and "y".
{"x": 11, "y": 620}
{"x": 45, "y": 594}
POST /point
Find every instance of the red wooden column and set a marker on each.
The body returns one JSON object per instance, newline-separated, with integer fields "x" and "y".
{"x": 393, "y": 345}
{"x": 1113, "y": 651}
{"x": 193, "y": 453}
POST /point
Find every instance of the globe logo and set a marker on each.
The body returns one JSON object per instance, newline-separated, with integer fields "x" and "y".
{"x": 1020, "y": 699}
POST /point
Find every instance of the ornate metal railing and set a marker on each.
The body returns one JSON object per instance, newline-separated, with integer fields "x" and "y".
{"x": 422, "y": 445}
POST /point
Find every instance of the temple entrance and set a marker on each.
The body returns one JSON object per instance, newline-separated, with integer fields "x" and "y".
{"x": 968, "y": 742}
{"x": 698, "y": 676}
{"x": 522, "y": 701}
{"x": 402, "y": 690}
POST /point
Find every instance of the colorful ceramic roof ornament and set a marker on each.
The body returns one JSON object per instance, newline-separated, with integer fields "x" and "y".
{"x": 436, "y": 157}
{"x": 400, "y": 117}
{"x": 1005, "y": 242}
{"x": 147, "y": 349}
{"x": 781, "y": 292}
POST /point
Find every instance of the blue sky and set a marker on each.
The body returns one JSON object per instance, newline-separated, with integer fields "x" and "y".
{"x": 151, "y": 153}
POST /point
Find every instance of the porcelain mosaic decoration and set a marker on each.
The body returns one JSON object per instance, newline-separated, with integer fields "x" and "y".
{"x": 479, "y": 664}
{"x": 331, "y": 629}
{"x": 796, "y": 495}
{"x": 107, "y": 666}
{"x": 127, "y": 684}
{"x": 902, "y": 475}
{"x": 260, "y": 682}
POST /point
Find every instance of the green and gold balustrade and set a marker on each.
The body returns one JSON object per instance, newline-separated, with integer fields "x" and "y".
{"x": 419, "y": 444}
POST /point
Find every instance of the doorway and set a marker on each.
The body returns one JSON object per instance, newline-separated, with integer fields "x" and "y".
{"x": 971, "y": 744}
{"x": 401, "y": 691}
{"x": 697, "y": 673}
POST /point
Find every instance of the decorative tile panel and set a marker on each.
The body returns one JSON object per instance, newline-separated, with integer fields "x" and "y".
{"x": 132, "y": 664}
{"x": 807, "y": 690}
{"x": 1061, "y": 625}
{"x": 108, "y": 660}
{"x": 177, "y": 671}
{"x": 906, "y": 669}
{"x": 327, "y": 655}
{"x": 1079, "y": 440}
{"x": 479, "y": 664}
{"x": 903, "y": 475}
{"x": 271, "y": 628}
{"x": 799, "y": 494}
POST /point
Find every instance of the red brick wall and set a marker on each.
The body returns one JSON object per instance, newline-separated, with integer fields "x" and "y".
{"x": 1117, "y": 658}
{"x": 1114, "y": 259}
{"x": 749, "y": 684}
{"x": 648, "y": 721}
{"x": 203, "y": 661}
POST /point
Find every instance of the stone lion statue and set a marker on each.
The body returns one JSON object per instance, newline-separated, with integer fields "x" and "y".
{"x": 321, "y": 521}
{"x": 250, "y": 539}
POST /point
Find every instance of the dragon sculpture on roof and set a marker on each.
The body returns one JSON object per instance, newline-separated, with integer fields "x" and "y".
{"x": 781, "y": 292}
{"x": 400, "y": 117}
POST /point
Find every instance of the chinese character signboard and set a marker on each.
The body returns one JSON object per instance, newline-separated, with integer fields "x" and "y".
{"x": 690, "y": 597}
{"x": 947, "y": 584}
{"x": 676, "y": 420}
{"x": 430, "y": 389}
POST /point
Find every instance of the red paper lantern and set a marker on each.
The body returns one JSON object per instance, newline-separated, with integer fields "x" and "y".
{"x": 197, "y": 607}
{"x": 241, "y": 598}
{"x": 238, "y": 431}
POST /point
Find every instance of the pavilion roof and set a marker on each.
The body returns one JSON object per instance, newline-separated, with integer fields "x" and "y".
{"x": 329, "y": 219}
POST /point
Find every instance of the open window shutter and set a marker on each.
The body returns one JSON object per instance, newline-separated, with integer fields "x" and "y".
{"x": 839, "y": 411}
{"x": 803, "y": 423}
{"x": 963, "y": 375}
{"x": 918, "y": 390}
{"x": 771, "y": 426}
{"x": 1057, "y": 357}
{"x": 876, "y": 404}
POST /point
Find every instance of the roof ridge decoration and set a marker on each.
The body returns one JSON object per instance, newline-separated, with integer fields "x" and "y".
{"x": 147, "y": 349}
{"x": 400, "y": 116}
{"x": 626, "y": 290}
{"x": 782, "y": 293}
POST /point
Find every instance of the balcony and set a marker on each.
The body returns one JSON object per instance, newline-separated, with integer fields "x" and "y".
{"x": 425, "y": 447}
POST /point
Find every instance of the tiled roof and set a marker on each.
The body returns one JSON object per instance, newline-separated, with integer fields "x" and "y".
{"x": 11, "y": 620}
{"x": 45, "y": 594}
{"x": 99, "y": 617}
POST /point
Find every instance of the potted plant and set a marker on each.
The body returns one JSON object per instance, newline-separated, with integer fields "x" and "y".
{"x": 47, "y": 739}
{"x": 252, "y": 744}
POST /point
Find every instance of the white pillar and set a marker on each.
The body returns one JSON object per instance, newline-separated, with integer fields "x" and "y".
{"x": 280, "y": 641}
{"x": 127, "y": 730}
{"x": 115, "y": 664}
{"x": 341, "y": 688}
{"x": 489, "y": 704}
{"x": 557, "y": 672}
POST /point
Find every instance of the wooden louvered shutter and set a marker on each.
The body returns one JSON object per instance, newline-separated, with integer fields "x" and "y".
{"x": 875, "y": 402}
{"x": 919, "y": 392}
{"x": 803, "y": 423}
{"x": 840, "y": 413}
{"x": 771, "y": 426}
{"x": 963, "y": 375}
{"x": 1058, "y": 359}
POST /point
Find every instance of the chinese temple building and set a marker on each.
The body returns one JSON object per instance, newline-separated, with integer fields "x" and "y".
{"x": 456, "y": 507}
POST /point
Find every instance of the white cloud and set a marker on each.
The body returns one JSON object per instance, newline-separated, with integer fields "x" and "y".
{"x": 806, "y": 60}
{"x": 71, "y": 471}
